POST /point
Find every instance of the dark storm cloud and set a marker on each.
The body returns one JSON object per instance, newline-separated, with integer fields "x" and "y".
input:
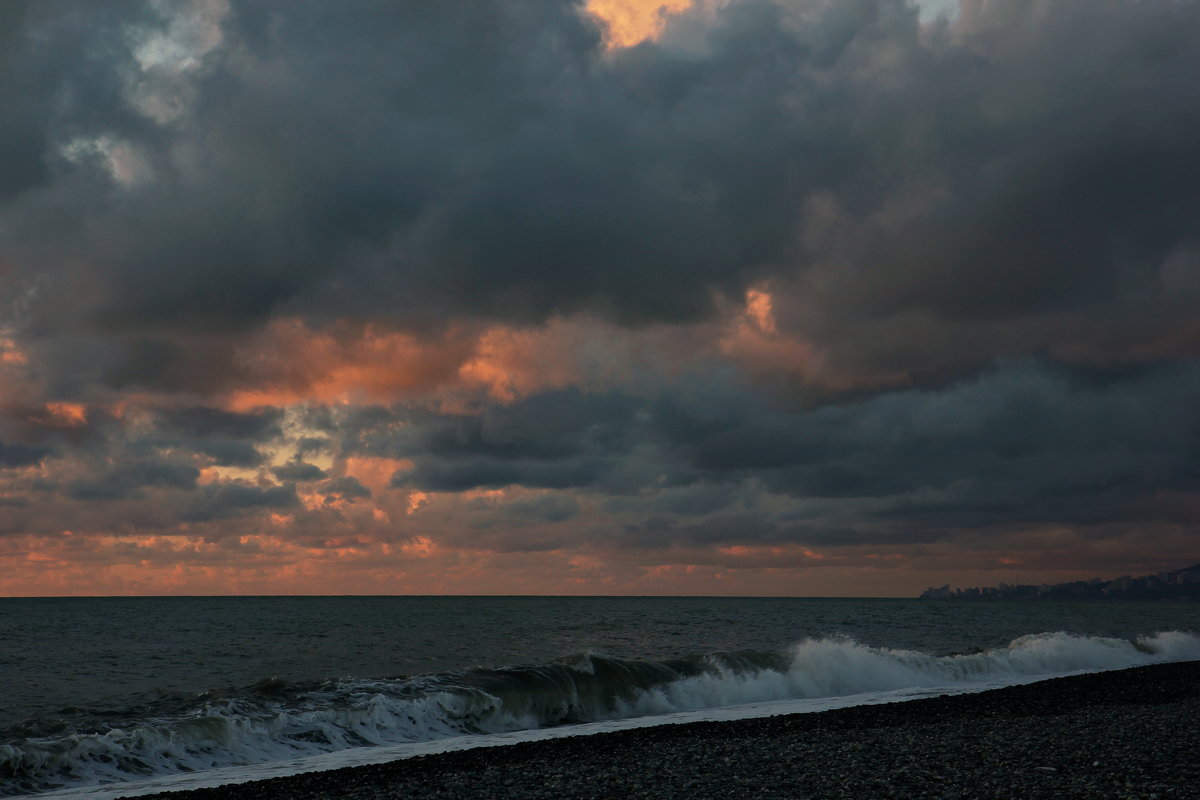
{"x": 546, "y": 508}
{"x": 19, "y": 455}
{"x": 346, "y": 488}
{"x": 693, "y": 500}
{"x": 227, "y": 438}
{"x": 1024, "y": 441}
{"x": 229, "y": 452}
{"x": 259, "y": 425}
{"x": 550, "y": 427}
{"x": 459, "y": 474}
{"x": 312, "y": 444}
{"x": 716, "y": 530}
{"x": 410, "y": 160}
{"x": 129, "y": 479}
{"x": 61, "y": 68}
{"x": 24, "y": 145}
{"x": 299, "y": 471}
{"x": 986, "y": 231}
{"x": 557, "y": 439}
{"x": 437, "y": 170}
{"x": 221, "y": 501}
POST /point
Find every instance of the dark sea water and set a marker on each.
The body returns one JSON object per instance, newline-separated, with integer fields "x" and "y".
{"x": 117, "y": 689}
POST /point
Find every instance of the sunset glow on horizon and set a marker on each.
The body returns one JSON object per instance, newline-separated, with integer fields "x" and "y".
{"x": 778, "y": 297}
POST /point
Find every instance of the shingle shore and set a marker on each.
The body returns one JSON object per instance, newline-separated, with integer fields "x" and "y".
{"x": 1127, "y": 734}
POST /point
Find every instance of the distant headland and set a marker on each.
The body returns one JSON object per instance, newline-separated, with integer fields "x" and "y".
{"x": 1182, "y": 584}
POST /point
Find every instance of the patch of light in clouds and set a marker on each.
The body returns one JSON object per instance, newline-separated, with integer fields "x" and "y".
{"x": 932, "y": 9}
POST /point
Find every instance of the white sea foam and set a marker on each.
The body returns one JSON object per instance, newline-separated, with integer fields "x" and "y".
{"x": 841, "y": 667}
{"x": 373, "y": 721}
{"x": 381, "y": 755}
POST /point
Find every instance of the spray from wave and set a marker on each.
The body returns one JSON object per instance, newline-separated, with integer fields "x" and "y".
{"x": 273, "y": 721}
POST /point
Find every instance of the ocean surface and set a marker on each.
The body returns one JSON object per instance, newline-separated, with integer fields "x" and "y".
{"x": 116, "y": 692}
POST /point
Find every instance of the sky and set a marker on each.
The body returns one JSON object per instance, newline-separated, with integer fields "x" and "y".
{"x": 708, "y": 297}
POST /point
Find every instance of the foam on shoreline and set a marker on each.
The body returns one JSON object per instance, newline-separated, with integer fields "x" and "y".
{"x": 278, "y": 729}
{"x": 369, "y": 756}
{"x": 1114, "y": 733}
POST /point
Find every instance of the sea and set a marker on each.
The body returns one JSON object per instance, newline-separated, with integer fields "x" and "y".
{"x": 104, "y": 697}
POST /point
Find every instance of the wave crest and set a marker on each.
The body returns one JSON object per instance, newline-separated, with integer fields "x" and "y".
{"x": 273, "y": 721}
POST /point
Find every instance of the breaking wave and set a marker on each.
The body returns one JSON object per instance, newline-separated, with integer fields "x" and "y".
{"x": 273, "y": 720}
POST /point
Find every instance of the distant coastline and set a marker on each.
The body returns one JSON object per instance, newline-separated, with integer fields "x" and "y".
{"x": 1182, "y": 585}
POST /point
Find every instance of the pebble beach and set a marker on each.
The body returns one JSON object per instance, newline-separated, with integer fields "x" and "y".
{"x": 1131, "y": 733}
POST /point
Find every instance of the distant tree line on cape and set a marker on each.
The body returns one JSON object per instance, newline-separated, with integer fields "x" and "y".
{"x": 1182, "y": 584}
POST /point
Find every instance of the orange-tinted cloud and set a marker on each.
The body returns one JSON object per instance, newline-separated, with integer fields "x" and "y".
{"x": 268, "y": 559}
{"x": 292, "y": 363}
{"x": 10, "y": 353}
{"x": 633, "y": 21}
{"x": 752, "y": 339}
{"x": 510, "y": 363}
{"x": 375, "y": 473}
{"x": 63, "y": 415}
{"x": 14, "y": 372}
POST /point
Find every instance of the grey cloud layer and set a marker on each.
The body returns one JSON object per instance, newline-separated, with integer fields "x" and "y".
{"x": 999, "y": 214}
{"x": 411, "y": 161}
{"x": 1025, "y": 442}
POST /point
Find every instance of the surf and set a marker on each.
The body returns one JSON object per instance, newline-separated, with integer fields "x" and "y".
{"x": 272, "y": 721}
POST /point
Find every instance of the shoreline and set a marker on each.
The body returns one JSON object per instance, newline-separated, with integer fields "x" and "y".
{"x": 1121, "y": 733}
